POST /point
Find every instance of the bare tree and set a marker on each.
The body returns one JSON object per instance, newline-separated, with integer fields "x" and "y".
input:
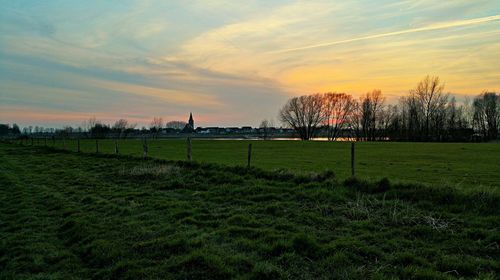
{"x": 487, "y": 114}
{"x": 355, "y": 120}
{"x": 155, "y": 126}
{"x": 370, "y": 106}
{"x": 177, "y": 125}
{"x": 96, "y": 129}
{"x": 468, "y": 112}
{"x": 388, "y": 121}
{"x": 411, "y": 116}
{"x": 265, "y": 128}
{"x": 336, "y": 109}
{"x": 452, "y": 115}
{"x": 303, "y": 114}
{"x": 89, "y": 124}
{"x": 429, "y": 93}
{"x": 121, "y": 126}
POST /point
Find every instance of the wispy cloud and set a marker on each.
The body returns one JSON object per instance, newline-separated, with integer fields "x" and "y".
{"x": 226, "y": 60}
{"x": 436, "y": 26}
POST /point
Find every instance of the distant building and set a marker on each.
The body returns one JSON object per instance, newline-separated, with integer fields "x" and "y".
{"x": 189, "y": 127}
{"x": 246, "y": 129}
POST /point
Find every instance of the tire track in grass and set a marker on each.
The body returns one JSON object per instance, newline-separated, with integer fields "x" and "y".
{"x": 74, "y": 211}
{"x": 90, "y": 211}
{"x": 27, "y": 225}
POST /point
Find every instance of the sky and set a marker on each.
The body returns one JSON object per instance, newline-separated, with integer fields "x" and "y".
{"x": 231, "y": 63}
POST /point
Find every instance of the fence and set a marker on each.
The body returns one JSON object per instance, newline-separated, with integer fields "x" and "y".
{"x": 144, "y": 149}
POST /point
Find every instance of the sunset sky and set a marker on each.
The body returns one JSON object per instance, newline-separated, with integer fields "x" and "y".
{"x": 231, "y": 62}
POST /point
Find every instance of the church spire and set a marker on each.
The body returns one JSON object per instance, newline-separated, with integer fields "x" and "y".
{"x": 191, "y": 121}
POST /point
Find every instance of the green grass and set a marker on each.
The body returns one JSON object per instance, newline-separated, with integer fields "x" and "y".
{"x": 457, "y": 164}
{"x": 78, "y": 216}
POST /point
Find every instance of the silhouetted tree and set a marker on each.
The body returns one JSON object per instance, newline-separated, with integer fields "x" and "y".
{"x": 487, "y": 114}
{"x": 431, "y": 101}
{"x": 355, "y": 120}
{"x": 88, "y": 125}
{"x": 100, "y": 130}
{"x": 123, "y": 127}
{"x": 15, "y": 129}
{"x": 155, "y": 126}
{"x": 389, "y": 122}
{"x": 370, "y": 106}
{"x": 303, "y": 114}
{"x": 265, "y": 128}
{"x": 337, "y": 108}
{"x": 176, "y": 125}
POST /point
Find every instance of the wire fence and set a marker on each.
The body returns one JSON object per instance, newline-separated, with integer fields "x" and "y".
{"x": 124, "y": 146}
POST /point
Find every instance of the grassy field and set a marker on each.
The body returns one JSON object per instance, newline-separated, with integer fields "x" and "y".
{"x": 78, "y": 216}
{"x": 456, "y": 164}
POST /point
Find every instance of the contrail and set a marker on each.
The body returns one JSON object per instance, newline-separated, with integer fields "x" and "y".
{"x": 436, "y": 26}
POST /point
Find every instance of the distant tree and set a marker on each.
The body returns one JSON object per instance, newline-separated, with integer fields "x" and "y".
{"x": 468, "y": 112}
{"x": 265, "y": 128}
{"x": 100, "y": 130}
{"x": 15, "y": 129}
{"x": 123, "y": 127}
{"x": 37, "y": 130}
{"x": 366, "y": 116}
{"x": 68, "y": 129}
{"x": 95, "y": 128}
{"x": 458, "y": 127}
{"x": 453, "y": 118}
{"x": 389, "y": 121}
{"x": 411, "y": 117}
{"x": 371, "y": 106}
{"x": 89, "y": 124}
{"x": 177, "y": 125}
{"x": 120, "y": 125}
{"x": 355, "y": 120}
{"x": 337, "y": 107}
{"x": 487, "y": 114}
{"x": 155, "y": 126}
{"x": 429, "y": 94}
{"x": 303, "y": 114}
{"x": 4, "y": 129}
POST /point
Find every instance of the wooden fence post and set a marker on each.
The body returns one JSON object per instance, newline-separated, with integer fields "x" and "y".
{"x": 189, "y": 149}
{"x": 145, "y": 147}
{"x": 116, "y": 148}
{"x": 78, "y": 145}
{"x": 353, "y": 173}
{"x": 249, "y": 155}
{"x": 96, "y": 146}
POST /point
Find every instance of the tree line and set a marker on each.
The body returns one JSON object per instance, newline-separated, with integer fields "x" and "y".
{"x": 427, "y": 113}
{"x": 122, "y": 128}
{"x": 94, "y": 128}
